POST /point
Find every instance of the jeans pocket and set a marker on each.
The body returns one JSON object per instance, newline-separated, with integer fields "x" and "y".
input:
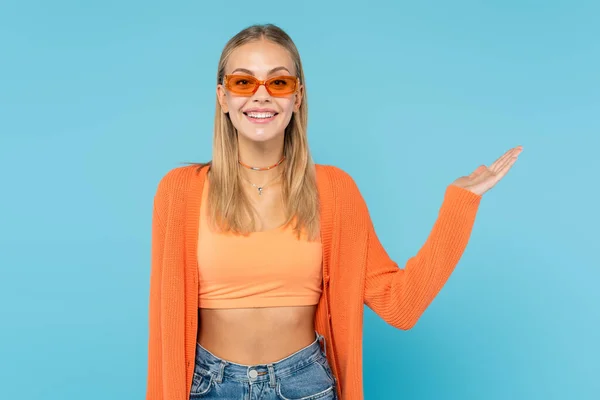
{"x": 311, "y": 382}
{"x": 325, "y": 364}
{"x": 201, "y": 383}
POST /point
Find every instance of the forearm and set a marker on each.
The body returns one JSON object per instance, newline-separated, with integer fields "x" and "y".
{"x": 400, "y": 296}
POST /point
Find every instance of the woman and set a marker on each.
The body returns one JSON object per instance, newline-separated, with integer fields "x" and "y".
{"x": 262, "y": 260}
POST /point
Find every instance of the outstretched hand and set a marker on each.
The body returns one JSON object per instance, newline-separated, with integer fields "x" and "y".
{"x": 484, "y": 178}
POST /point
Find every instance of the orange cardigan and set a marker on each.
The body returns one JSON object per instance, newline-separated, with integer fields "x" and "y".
{"x": 356, "y": 271}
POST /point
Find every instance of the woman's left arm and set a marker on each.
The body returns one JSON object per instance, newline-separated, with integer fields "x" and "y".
{"x": 401, "y": 296}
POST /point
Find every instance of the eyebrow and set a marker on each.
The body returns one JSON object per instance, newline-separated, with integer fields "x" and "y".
{"x": 247, "y": 71}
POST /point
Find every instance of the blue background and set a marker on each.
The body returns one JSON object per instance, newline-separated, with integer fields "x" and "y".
{"x": 98, "y": 100}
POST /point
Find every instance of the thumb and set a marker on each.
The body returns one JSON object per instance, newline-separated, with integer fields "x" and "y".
{"x": 478, "y": 171}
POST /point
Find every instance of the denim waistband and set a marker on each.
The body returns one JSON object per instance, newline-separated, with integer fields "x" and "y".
{"x": 223, "y": 369}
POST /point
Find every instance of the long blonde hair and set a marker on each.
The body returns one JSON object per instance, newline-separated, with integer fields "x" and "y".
{"x": 228, "y": 206}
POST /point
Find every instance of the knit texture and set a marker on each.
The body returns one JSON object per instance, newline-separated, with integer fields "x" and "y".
{"x": 356, "y": 271}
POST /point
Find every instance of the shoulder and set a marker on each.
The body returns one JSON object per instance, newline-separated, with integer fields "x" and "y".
{"x": 177, "y": 180}
{"x": 342, "y": 189}
{"x": 339, "y": 179}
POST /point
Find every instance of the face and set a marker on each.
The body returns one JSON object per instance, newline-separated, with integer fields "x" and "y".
{"x": 260, "y": 116}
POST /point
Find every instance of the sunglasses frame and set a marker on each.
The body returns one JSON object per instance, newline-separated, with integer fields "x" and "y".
{"x": 264, "y": 83}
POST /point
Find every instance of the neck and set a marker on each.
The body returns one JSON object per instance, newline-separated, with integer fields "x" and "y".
{"x": 261, "y": 155}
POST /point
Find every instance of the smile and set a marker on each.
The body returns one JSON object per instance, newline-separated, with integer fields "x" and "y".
{"x": 260, "y": 117}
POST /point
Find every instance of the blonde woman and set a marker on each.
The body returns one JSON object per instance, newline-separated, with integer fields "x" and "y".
{"x": 262, "y": 260}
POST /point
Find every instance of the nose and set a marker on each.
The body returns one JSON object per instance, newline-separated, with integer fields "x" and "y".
{"x": 261, "y": 95}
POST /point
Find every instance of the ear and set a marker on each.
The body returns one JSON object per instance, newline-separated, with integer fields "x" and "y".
{"x": 222, "y": 97}
{"x": 298, "y": 99}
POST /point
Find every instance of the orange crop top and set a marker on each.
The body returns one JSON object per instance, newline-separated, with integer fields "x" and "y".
{"x": 264, "y": 269}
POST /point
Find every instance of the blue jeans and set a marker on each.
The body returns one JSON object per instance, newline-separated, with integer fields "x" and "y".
{"x": 304, "y": 375}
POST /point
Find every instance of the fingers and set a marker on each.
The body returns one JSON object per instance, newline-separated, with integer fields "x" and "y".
{"x": 506, "y": 162}
{"x": 501, "y": 162}
{"x": 506, "y": 166}
{"x": 500, "y": 159}
{"x": 514, "y": 154}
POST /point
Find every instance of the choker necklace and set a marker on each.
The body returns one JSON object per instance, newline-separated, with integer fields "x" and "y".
{"x": 261, "y": 168}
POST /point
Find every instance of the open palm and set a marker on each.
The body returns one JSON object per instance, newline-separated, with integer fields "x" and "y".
{"x": 484, "y": 178}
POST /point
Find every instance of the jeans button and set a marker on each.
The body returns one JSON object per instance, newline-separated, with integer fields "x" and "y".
{"x": 252, "y": 374}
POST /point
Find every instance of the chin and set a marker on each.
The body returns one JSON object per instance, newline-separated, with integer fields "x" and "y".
{"x": 253, "y": 133}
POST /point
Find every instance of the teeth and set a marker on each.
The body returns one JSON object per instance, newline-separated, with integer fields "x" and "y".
{"x": 260, "y": 115}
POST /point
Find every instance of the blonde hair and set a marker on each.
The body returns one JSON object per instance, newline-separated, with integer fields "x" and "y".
{"x": 228, "y": 206}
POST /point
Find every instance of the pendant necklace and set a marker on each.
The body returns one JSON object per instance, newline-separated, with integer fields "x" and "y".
{"x": 261, "y": 188}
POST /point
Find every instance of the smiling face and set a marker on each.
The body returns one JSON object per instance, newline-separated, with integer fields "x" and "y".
{"x": 259, "y": 117}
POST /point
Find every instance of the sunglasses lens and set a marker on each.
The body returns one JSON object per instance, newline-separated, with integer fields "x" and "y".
{"x": 282, "y": 85}
{"x": 241, "y": 84}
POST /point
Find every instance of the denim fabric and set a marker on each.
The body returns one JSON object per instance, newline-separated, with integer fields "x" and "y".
{"x": 304, "y": 375}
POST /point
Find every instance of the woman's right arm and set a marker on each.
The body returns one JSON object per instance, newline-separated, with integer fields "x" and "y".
{"x": 154, "y": 387}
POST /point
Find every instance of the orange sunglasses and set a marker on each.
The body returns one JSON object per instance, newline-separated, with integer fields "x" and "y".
{"x": 247, "y": 85}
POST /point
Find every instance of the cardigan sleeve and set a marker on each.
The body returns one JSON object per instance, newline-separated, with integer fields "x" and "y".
{"x": 154, "y": 385}
{"x": 401, "y": 296}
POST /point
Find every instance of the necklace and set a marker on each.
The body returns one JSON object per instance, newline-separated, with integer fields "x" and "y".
{"x": 261, "y": 168}
{"x": 261, "y": 188}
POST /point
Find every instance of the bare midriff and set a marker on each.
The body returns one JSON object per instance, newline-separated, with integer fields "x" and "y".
{"x": 252, "y": 336}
